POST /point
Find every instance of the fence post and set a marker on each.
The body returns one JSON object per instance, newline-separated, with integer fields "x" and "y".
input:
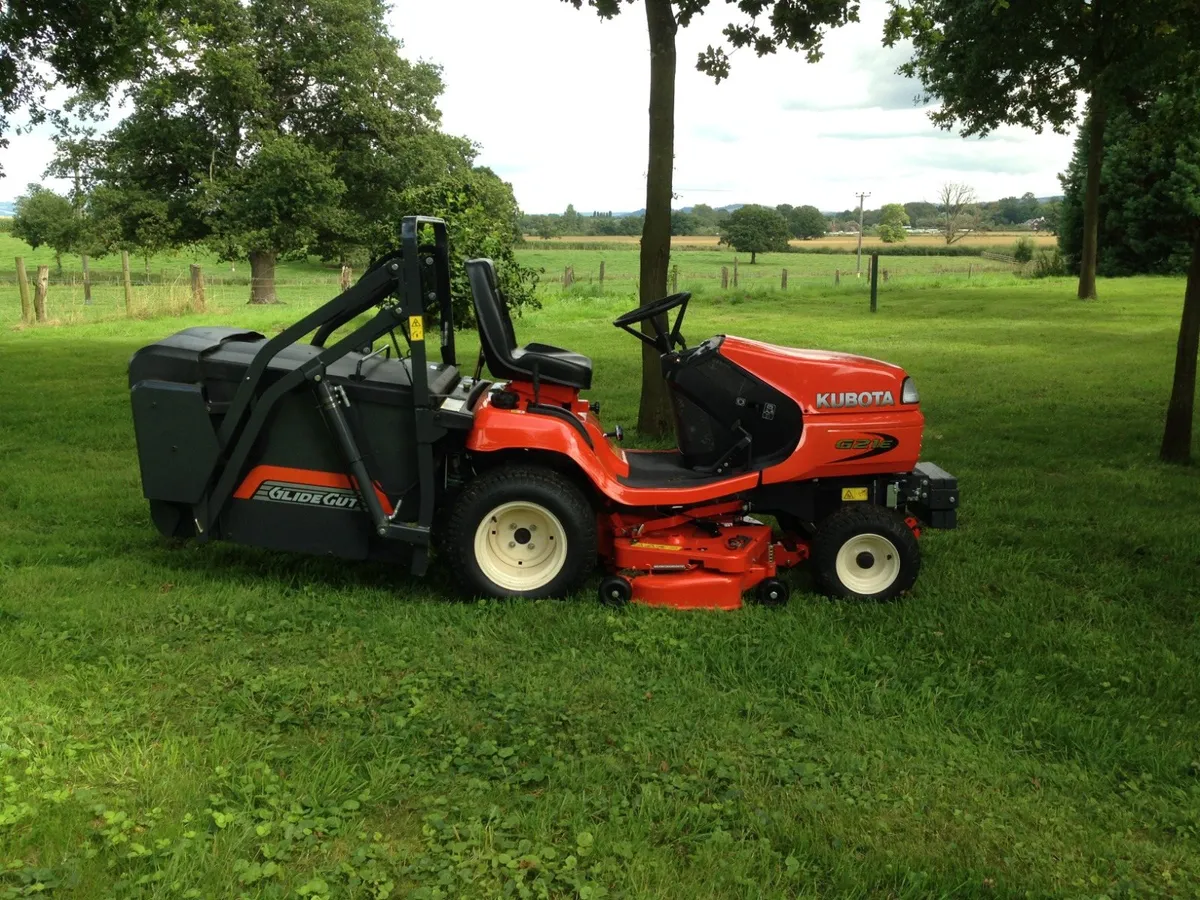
{"x": 197, "y": 289}
{"x": 724, "y": 277}
{"x": 87, "y": 280}
{"x": 783, "y": 281}
{"x": 837, "y": 277}
{"x": 874, "y": 281}
{"x": 674, "y": 279}
{"x": 886, "y": 276}
{"x": 969, "y": 268}
{"x": 128, "y": 283}
{"x": 23, "y": 284}
{"x": 735, "y": 271}
{"x": 601, "y": 273}
{"x": 39, "y": 293}
{"x": 345, "y": 278}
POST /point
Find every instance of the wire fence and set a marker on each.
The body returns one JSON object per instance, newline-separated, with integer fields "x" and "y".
{"x": 66, "y": 300}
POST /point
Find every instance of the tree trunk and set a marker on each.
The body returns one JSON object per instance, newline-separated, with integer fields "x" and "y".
{"x": 262, "y": 276}
{"x": 753, "y": 256}
{"x": 58, "y": 262}
{"x": 1177, "y": 435}
{"x": 654, "y": 414}
{"x": 1097, "y": 114}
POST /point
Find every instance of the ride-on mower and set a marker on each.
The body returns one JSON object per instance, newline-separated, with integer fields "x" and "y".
{"x": 336, "y": 447}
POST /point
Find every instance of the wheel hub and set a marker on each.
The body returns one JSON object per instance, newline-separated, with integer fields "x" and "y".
{"x": 868, "y": 564}
{"x": 520, "y": 546}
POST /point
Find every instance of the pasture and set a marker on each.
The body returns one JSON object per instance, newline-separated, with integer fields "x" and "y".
{"x": 999, "y": 241}
{"x": 180, "y": 721}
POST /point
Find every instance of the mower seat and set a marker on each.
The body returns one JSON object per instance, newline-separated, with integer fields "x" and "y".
{"x": 505, "y": 359}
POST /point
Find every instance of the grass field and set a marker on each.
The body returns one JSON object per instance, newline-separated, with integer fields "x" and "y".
{"x": 220, "y": 722}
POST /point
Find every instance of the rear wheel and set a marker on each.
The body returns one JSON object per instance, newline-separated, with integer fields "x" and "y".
{"x": 865, "y": 552}
{"x": 521, "y": 531}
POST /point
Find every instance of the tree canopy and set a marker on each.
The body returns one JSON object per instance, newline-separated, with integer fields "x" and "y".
{"x": 807, "y": 222}
{"x": 755, "y": 229}
{"x": 279, "y": 128}
{"x": 891, "y": 225}
{"x": 43, "y": 217}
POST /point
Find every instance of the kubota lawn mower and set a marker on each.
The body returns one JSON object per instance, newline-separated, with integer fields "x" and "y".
{"x": 337, "y": 447}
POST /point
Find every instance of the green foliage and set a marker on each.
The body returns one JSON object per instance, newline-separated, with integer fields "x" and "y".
{"x": 1022, "y": 250}
{"x": 806, "y": 222}
{"x": 1049, "y": 264}
{"x": 755, "y": 229}
{"x": 683, "y": 223}
{"x": 892, "y": 219}
{"x": 481, "y": 213}
{"x": 281, "y": 130}
{"x": 44, "y": 217}
{"x": 1149, "y": 186}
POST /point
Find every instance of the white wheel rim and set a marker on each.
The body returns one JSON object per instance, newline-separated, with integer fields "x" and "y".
{"x": 868, "y": 564}
{"x": 520, "y": 546}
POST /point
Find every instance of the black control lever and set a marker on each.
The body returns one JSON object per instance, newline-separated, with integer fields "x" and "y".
{"x": 618, "y": 433}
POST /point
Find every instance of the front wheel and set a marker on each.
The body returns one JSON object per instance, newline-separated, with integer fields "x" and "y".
{"x": 521, "y": 531}
{"x": 865, "y": 552}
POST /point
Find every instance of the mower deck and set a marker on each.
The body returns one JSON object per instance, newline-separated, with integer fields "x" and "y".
{"x": 704, "y": 559}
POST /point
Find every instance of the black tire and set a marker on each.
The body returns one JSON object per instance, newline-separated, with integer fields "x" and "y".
{"x": 866, "y": 532}
{"x": 773, "y": 592}
{"x": 615, "y": 590}
{"x": 528, "y": 488}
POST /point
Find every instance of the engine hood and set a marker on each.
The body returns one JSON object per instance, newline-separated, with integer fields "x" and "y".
{"x": 821, "y": 381}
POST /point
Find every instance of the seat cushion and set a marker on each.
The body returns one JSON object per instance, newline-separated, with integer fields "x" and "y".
{"x": 561, "y": 367}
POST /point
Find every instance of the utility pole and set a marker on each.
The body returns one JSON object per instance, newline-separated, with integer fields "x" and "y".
{"x": 858, "y": 262}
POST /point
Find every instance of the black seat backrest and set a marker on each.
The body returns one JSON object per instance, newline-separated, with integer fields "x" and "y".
{"x": 496, "y": 335}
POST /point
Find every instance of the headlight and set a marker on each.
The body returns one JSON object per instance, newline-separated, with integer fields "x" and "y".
{"x": 909, "y": 392}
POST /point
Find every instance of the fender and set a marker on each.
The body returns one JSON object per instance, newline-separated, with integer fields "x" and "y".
{"x": 604, "y": 465}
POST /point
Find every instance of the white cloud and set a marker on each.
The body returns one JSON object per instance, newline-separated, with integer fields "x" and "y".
{"x": 556, "y": 98}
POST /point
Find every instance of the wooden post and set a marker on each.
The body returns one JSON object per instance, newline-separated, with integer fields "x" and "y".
{"x": 87, "y": 280}
{"x": 724, "y": 277}
{"x": 969, "y": 268}
{"x": 601, "y": 273}
{"x": 735, "y": 271}
{"x": 128, "y": 283}
{"x": 23, "y": 284}
{"x": 39, "y": 293}
{"x": 198, "y": 300}
{"x": 886, "y": 276}
{"x": 874, "y": 281}
{"x": 783, "y": 281}
{"x": 674, "y": 279}
{"x": 345, "y": 278}
{"x": 837, "y": 277}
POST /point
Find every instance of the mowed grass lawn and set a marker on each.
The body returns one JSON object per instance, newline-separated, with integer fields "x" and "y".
{"x": 180, "y": 721}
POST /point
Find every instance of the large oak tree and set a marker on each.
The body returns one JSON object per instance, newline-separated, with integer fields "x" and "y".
{"x": 1024, "y": 62}
{"x": 767, "y": 25}
{"x": 279, "y": 127}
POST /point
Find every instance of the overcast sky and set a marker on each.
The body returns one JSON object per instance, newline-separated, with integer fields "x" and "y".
{"x": 556, "y": 100}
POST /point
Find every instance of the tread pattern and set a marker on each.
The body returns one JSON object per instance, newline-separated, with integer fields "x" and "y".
{"x": 521, "y": 482}
{"x": 864, "y": 518}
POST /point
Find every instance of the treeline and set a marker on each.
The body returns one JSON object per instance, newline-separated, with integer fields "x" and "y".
{"x": 805, "y": 222}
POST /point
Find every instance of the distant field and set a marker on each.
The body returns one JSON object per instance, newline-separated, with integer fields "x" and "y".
{"x": 849, "y": 241}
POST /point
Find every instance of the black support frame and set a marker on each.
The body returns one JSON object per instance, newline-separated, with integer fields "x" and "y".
{"x": 417, "y": 276}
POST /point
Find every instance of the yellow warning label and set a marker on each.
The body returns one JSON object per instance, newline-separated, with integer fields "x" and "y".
{"x": 416, "y": 328}
{"x": 643, "y": 546}
{"x": 854, "y": 493}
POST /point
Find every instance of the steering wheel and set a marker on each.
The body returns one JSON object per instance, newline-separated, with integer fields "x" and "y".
{"x": 663, "y": 340}
{"x": 657, "y": 308}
